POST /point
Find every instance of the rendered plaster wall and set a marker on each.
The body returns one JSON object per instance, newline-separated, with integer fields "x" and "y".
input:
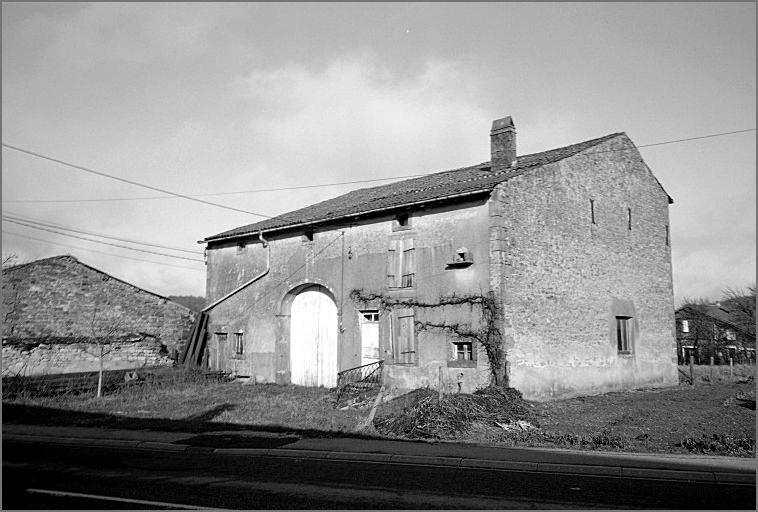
{"x": 62, "y": 298}
{"x": 563, "y": 279}
{"x": 344, "y": 258}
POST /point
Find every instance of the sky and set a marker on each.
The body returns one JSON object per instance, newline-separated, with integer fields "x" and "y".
{"x": 232, "y": 98}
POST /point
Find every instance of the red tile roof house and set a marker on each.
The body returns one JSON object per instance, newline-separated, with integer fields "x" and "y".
{"x": 56, "y": 310}
{"x": 556, "y": 264}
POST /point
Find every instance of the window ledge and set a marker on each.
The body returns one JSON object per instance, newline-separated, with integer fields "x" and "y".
{"x": 461, "y": 364}
{"x": 626, "y": 354}
{"x": 459, "y": 264}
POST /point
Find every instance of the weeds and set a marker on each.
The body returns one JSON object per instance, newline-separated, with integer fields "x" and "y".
{"x": 719, "y": 444}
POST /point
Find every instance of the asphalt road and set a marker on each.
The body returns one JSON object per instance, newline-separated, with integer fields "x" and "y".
{"x": 47, "y": 476}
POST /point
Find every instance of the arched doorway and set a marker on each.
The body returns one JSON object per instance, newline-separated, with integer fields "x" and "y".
{"x": 313, "y": 338}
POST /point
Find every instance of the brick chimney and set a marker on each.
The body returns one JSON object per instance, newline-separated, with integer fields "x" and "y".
{"x": 503, "y": 143}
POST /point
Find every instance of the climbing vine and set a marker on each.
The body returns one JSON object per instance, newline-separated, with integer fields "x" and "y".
{"x": 487, "y": 334}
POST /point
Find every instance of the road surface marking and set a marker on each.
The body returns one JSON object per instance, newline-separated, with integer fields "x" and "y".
{"x": 113, "y": 498}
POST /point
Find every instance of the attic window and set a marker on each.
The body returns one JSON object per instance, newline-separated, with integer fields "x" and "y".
{"x": 401, "y": 222}
{"x": 240, "y": 247}
{"x": 592, "y": 210}
{"x": 629, "y": 219}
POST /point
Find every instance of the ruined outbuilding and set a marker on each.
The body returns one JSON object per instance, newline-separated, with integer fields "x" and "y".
{"x": 548, "y": 272}
{"x": 58, "y": 312}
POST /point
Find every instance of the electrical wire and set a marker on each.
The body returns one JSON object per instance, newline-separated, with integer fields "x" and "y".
{"x": 254, "y": 191}
{"x": 100, "y": 242}
{"x": 13, "y": 216}
{"x": 12, "y": 233}
{"x": 195, "y": 196}
{"x": 131, "y": 182}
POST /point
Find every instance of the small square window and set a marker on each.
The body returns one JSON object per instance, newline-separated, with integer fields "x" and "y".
{"x": 463, "y": 355}
{"x": 241, "y": 247}
{"x": 685, "y": 326}
{"x": 464, "y": 351}
{"x": 401, "y": 222}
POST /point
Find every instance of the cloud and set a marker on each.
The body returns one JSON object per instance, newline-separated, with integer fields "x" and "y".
{"x": 355, "y": 116}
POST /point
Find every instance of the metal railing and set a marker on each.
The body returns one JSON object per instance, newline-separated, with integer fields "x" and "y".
{"x": 361, "y": 380}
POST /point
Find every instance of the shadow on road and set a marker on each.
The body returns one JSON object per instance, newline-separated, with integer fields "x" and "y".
{"x": 197, "y": 423}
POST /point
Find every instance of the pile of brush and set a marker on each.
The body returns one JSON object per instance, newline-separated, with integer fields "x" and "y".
{"x": 422, "y": 415}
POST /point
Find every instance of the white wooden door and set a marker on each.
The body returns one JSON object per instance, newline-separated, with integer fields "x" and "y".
{"x": 313, "y": 339}
{"x": 369, "y": 336}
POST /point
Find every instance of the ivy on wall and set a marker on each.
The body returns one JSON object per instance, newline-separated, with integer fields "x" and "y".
{"x": 487, "y": 333}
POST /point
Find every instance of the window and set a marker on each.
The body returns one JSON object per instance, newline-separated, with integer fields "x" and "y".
{"x": 685, "y": 326}
{"x": 629, "y": 219}
{"x": 730, "y": 335}
{"x": 667, "y": 234}
{"x": 401, "y": 266}
{"x": 240, "y": 247}
{"x": 238, "y": 343}
{"x": 404, "y": 337}
{"x": 401, "y": 222}
{"x": 464, "y": 351}
{"x": 624, "y": 334}
{"x": 592, "y": 210}
{"x": 308, "y": 236}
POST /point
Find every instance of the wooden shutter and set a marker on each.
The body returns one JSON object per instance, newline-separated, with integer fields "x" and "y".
{"x": 393, "y": 264}
{"x": 405, "y": 337}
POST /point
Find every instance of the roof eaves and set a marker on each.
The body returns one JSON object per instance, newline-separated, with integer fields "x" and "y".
{"x": 362, "y": 213}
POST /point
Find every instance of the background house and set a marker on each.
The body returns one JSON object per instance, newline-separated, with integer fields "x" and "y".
{"x": 548, "y": 272}
{"x": 715, "y": 330}
{"x": 56, "y": 310}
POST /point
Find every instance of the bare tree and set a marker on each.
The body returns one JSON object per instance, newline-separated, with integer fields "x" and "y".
{"x": 103, "y": 332}
{"x": 10, "y": 259}
{"x": 700, "y": 326}
{"x": 741, "y": 304}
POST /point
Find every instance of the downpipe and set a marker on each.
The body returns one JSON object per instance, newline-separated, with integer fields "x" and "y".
{"x": 248, "y": 283}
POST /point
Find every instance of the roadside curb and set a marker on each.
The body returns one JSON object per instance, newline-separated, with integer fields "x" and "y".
{"x": 715, "y": 476}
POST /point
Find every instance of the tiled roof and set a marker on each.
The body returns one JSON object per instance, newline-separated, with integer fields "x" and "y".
{"x": 719, "y": 312}
{"x": 465, "y": 181}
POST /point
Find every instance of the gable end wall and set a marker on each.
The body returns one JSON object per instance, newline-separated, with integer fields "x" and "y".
{"x": 563, "y": 280}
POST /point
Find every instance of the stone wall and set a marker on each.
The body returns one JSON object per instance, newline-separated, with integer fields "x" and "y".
{"x": 563, "y": 279}
{"x": 61, "y": 297}
{"x": 26, "y": 359}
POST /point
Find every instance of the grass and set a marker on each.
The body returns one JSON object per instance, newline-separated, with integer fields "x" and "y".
{"x": 705, "y": 374}
{"x": 704, "y": 418}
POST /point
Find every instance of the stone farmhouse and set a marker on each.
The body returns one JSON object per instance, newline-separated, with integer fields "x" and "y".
{"x": 713, "y": 330}
{"x": 56, "y": 311}
{"x": 547, "y": 272}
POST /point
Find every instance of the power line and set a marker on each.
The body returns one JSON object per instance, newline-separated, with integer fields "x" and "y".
{"x": 124, "y": 180}
{"x": 253, "y": 191}
{"x": 696, "y": 138}
{"x": 17, "y": 217}
{"x": 194, "y": 197}
{"x": 6, "y": 232}
{"x": 99, "y": 241}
